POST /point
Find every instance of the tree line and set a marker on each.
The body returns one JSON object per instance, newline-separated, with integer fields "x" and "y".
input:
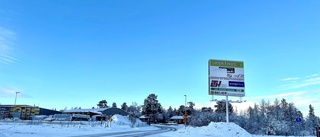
{"x": 265, "y": 118}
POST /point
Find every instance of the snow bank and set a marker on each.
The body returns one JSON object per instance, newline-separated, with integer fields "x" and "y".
{"x": 124, "y": 121}
{"x": 51, "y": 129}
{"x": 48, "y": 130}
{"x": 120, "y": 120}
{"x": 219, "y": 129}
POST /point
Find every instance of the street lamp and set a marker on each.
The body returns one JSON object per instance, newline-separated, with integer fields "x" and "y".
{"x": 15, "y": 100}
{"x": 185, "y": 111}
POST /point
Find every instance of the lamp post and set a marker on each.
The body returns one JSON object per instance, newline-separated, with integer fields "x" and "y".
{"x": 15, "y": 100}
{"x": 185, "y": 111}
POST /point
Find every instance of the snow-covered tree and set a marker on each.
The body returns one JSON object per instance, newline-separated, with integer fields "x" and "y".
{"x": 206, "y": 109}
{"x": 134, "y": 109}
{"x": 221, "y": 107}
{"x": 124, "y": 106}
{"x": 102, "y": 104}
{"x": 191, "y": 105}
{"x": 275, "y": 119}
{"x": 199, "y": 118}
{"x": 311, "y": 120}
{"x": 170, "y": 112}
{"x": 114, "y": 105}
{"x": 181, "y": 110}
{"x": 277, "y": 109}
{"x": 151, "y": 107}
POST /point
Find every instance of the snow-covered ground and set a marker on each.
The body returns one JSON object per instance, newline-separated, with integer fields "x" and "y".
{"x": 119, "y": 124}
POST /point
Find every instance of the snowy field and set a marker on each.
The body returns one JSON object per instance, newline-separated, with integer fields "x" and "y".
{"x": 120, "y": 127}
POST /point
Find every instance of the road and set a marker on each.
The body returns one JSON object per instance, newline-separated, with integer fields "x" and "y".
{"x": 162, "y": 129}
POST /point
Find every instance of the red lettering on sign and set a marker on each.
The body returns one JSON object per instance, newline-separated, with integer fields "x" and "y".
{"x": 215, "y": 83}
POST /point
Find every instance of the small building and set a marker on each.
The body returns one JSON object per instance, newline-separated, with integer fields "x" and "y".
{"x": 98, "y": 113}
{"x": 90, "y": 112}
{"x": 144, "y": 118}
{"x": 179, "y": 119}
{"x": 95, "y": 113}
{"x": 24, "y": 112}
{"x": 157, "y": 118}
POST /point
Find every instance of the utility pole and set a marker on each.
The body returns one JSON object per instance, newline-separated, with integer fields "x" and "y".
{"x": 15, "y": 100}
{"x": 227, "y": 109}
{"x": 185, "y": 112}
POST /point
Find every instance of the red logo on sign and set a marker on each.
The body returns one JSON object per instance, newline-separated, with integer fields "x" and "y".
{"x": 215, "y": 83}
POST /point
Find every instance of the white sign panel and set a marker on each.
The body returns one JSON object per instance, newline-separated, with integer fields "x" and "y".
{"x": 226, "y": 78}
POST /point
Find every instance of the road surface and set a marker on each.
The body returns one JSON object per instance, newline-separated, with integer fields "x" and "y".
{"x": 162, "y": 129}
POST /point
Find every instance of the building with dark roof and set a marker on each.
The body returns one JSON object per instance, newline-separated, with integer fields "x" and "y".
{"x": 100, "y": 112}
{"x": 114, "y": 111}
{"x": 24, "y": 112}
{"x": 90, "y": 112}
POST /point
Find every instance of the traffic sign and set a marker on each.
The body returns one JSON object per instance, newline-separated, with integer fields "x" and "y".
{"x": 185, "y": 116}
{"x": 298, "y": 119}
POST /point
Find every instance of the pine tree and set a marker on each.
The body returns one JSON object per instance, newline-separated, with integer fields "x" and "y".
{"x": 190, "y": 108}
{"x": 191, "y": 105}
{"x": 102, "y": 104}
{"x": 206, "y": 109}
{"x": 151, "y": 108}
{"x": 170, "y": 112}
{"x": 263, "y": 116}
{"x": 134, "y": 109}
{"x": 181, "y": 110}
{"x": 312, "y": 120}
{"x": 221, "y": 107}
{"x": 277, "y": 110}
{"x": 114, "y": 105}
{"x": 124, "y": 106}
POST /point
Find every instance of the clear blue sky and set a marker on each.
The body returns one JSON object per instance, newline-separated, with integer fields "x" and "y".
{"x": 75, "y": 53}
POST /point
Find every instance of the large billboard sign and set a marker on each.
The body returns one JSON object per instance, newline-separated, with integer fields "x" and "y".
{"x": 226, "y": 78}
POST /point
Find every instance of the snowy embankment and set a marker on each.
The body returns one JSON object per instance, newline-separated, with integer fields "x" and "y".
{"x": 66, "y": 129}
{"x": 214, "y": 129}
{"x": 118, "y": 124}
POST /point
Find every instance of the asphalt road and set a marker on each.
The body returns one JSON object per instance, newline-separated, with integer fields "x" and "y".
{"x": 162, "y": 129}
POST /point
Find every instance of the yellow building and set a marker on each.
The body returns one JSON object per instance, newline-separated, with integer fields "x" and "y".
{"x": 24, "y": 112}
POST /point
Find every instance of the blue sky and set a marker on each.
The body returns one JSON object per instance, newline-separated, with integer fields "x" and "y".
{"x": 75, "y": 53}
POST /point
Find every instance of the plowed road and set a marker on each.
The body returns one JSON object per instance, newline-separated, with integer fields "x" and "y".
{"x": 162, "y": 129}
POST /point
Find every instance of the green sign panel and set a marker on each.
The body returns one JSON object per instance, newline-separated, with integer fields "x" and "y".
{"x": 226, "y": 63}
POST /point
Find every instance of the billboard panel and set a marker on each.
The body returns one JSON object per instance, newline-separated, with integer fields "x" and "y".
{"x": 226, "y": 78}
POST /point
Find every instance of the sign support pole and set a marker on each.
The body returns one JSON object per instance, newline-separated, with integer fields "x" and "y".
{"x": 227, "y": 109}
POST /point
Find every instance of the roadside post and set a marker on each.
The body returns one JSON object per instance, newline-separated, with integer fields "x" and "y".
{"x": 298, "y": 121}
{"x": 185, "y": 112}
{"x": 185, "y": 116}
{"x": 110, "y": 120}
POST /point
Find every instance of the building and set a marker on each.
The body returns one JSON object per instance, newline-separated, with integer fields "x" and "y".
{"x": 90, "y": 112}
{"x": 179, "y": 119}
{"x": 98, "y": 113}
{"x": 155, "y": 118}
{"x": 144, "y": 118}
{"x": 24, "y": 112}
{"x": 114, "y": 111}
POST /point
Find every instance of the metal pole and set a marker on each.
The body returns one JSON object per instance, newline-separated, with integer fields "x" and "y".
{"x": 185, "y": 111}
{"x": 15, "y": 100}
{"x": 227, "y": 109}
